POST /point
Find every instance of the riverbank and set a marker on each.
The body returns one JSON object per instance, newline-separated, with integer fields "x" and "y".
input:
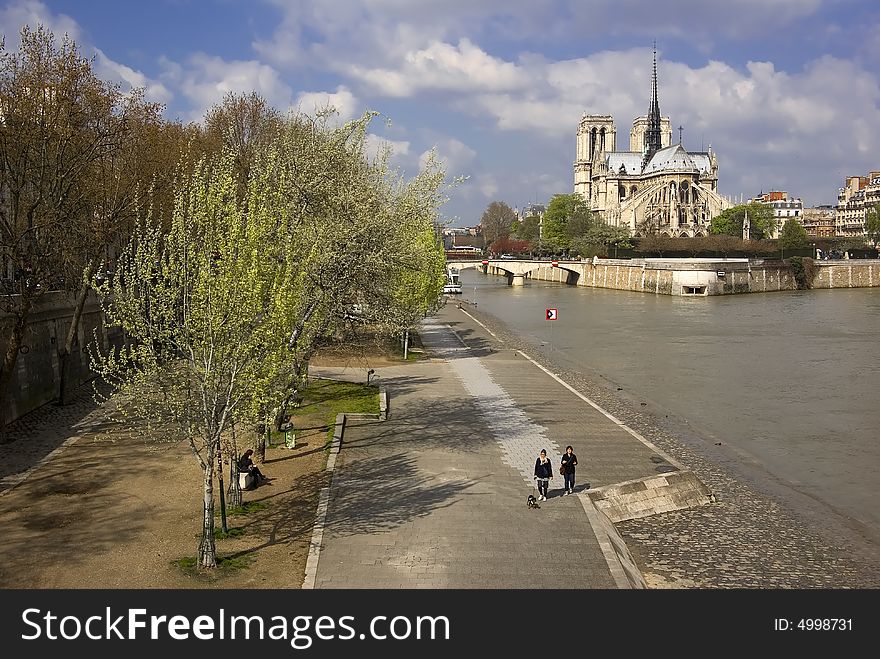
{"x": 694, "y": 277}
{"x": 762, "y": 533}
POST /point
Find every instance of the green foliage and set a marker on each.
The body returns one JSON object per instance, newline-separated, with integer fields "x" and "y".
{"x": 246, "y": 508}
{"x": 598, "y": 238}
{"x": 529, "y": 229}
{"x": 567, "y": 217}
{"x": 793, "y": 235}
{"x": 236, "y": 532}
{"x": 225, "y": 302}
{"x": 709, "y": 246}
{"x": 872, "y": 224}
{"x": 729, "y": 222}
{"x": 803, "y": 270}
{"x": 327, "y": 398}
{"x": 226, "y": 565}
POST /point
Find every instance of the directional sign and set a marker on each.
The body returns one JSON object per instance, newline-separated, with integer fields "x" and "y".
{"x": 552, "y": 314}
{"x": 485, "y": 262}
{"x": 554, "y": 264}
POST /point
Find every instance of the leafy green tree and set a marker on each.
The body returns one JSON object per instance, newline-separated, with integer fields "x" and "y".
{"x": 226, "y": 307}
{"x": 562, "y": 211}
{"x": 872, "y": 225}
{"x": 496, "y": 222}
{"x": 762, "y": 223}
{"x": 529, "y": 229}
{"x": 793, "y": 235}
{"x": 600, "y": 240}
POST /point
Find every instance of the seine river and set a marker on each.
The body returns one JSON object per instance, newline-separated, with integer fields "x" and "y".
{"x": 789, "y": 381}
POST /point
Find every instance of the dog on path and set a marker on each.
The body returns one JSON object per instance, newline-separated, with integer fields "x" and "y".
{"x": 532, "y": 502}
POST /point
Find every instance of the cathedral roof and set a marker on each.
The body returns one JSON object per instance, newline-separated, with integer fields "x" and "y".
{"x": 632, "y": 161}
{"x": 672, "y": 157}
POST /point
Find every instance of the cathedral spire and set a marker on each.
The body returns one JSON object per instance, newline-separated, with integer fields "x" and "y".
{"x": 653, "y": 133}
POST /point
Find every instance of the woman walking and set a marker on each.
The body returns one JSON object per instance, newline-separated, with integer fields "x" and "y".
{"x": 543, "y": 474}
{"x": 569, "y": 462}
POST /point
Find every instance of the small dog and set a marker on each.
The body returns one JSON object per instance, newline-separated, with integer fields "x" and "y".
{"x": 532, "y": 502}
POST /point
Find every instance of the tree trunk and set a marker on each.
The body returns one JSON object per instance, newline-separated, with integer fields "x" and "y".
{"x": 207, "y": 547}
{"x": 10, "y": 359}
{"x": 234, "y": 491}
{"x": 64, "y": 351}
{"x": 223, "y": 526}
{"x": 262, "y": 434}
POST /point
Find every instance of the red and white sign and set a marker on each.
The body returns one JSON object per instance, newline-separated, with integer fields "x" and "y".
{"x": 485, "y": 262}
{"x": 552, "y": 314}
{"x": 554, "y": 264}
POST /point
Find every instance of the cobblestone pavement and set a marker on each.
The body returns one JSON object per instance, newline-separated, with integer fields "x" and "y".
{"x": 759, "y": 534}
{"x": 32, "y": 438}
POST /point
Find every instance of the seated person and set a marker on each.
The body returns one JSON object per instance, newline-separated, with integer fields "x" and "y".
{"x": 246, "y": 463}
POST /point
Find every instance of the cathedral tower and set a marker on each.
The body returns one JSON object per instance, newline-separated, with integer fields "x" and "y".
{"x": 595, "y": 135}
{"x": 653, "y": 134}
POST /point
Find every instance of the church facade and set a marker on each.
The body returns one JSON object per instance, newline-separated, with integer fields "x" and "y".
{"x": 655, "y": 187}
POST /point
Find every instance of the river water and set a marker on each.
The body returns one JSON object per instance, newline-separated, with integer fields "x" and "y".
{"x": 788, "y": 379}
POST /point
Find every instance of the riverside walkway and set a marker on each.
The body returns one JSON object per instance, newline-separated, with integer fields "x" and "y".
{"x": 435, "y": 496}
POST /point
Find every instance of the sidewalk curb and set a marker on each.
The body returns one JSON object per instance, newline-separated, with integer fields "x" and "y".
{"x": 620, "y": 562}
{"x": 311, "y": 571}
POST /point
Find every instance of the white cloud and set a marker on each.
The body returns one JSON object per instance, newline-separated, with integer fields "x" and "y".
{"x": 378, "y": 34}
{"x": 444, "y": 67}
{"x": 342, "y": 100}
{"x": 398, "y": 149}
{"x": 206, "y": 79}
{"x": 108, "y": 69}
{"x": 456, "y": 156}
{"x": 18, "y": 13}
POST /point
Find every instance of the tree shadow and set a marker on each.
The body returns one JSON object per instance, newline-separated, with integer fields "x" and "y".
{"x": 374, "y": 495}
{"x": 75, "y": 507}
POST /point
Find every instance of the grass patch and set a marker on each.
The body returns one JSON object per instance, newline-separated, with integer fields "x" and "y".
{"x": 324, "y": 399}
{"x": 236, "y": 532}
{"x": 244, "y": 509}
{"x": 226, "y": 565}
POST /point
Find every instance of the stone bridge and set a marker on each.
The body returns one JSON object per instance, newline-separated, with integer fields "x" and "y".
{"x": 516, "y": 270}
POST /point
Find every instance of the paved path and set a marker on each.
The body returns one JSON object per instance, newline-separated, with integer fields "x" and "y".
{"x": 435, "y": 496}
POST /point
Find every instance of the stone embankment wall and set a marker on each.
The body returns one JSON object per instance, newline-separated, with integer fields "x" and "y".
{"x": 703, "y": 277}
{"x": 848, "y": 274}
{"x": 37, "y": 373}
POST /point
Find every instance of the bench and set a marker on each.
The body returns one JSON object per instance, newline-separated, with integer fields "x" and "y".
{"x": 245, "y": 480}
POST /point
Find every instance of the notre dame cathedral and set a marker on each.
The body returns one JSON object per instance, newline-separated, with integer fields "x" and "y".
{"x": 654, "y": 188}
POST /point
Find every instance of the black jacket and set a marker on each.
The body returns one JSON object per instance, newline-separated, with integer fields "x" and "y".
{"x": 569, "y": 462}
{"x": 543, "y": 470}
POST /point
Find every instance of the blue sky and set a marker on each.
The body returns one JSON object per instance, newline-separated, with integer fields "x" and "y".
{"x": 786, "y": 91}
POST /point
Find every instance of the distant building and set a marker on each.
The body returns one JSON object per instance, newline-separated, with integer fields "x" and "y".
{"x": 819, "y": 221}
{"x": 858, "y": 194}
{"x": 654, "y": 188}
{"x": 463, "y": 236}
{"x": 784, "y": 207}
{"x": 530, "y": 210}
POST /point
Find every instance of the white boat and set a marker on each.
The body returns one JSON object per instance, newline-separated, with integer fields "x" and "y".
{"x": 453, "y": 285}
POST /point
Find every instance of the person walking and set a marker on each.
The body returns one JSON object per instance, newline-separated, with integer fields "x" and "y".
{"x": 569, "y": 462}
{"x": 543, "y": 474}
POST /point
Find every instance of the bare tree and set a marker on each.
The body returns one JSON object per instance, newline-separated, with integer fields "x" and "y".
{"x": 57, "y": 120}
{"x": 496, "y": 221}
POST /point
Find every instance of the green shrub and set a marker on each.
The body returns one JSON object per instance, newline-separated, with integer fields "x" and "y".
{"x": 803, "y": 270}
